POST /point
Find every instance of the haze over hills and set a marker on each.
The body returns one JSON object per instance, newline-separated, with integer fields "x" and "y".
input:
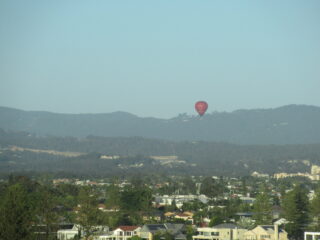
{"x": 122, "y": 143}
{"x": 105, "y": 156}
{"x": 292, "y": 124}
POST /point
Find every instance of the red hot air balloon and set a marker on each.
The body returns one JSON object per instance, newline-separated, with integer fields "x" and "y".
{"x": 201, "y": 107}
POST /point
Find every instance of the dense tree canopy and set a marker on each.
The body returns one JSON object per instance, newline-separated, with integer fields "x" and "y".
{"x": 262, "y": 208}
{"x": 16, "y": 214}
{"x": 296, "y": 211}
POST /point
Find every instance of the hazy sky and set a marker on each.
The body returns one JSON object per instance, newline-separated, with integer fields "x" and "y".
{"x": 156, "y": 58}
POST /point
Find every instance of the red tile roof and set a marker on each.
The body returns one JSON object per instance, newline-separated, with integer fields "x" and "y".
{"x": 101, "y": 206}
{"x": 128, "y": 228}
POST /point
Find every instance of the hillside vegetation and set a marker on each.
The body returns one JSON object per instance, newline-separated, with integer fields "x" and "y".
{"x": 292, "y": 124}
{"x": 101, "y": 156}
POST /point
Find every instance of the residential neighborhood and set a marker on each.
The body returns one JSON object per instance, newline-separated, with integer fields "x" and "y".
{"x": 164, "y": 207}
{"x": 176, "y": 207}
{"x": 178, "y": 231}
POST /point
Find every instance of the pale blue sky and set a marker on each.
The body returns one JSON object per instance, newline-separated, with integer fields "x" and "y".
{"x": 156, "y": 58}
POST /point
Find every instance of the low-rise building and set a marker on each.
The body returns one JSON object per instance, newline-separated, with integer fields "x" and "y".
{"x": 67, "y": 234}
{"x": 148, "y": 231}
{"x": 312, "y": 236}
{"x": 121, "y": 233}
{"x": 184, "y": 216}
{"x": 179, "y": 200}
{"x": 266, "y": 232}
{"x": 225, "y": 231}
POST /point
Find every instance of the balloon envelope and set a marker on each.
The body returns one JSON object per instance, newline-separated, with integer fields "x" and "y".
{"x": 201, "y": 107}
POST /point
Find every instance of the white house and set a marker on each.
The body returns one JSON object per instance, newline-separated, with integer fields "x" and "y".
{"x": 67, "y": 234}
{"x": 121, "y": 233}
{"x": 179, "y": 200}
{"x": 311, "y": 235}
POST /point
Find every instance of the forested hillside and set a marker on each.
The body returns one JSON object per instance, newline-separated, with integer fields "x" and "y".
{"x": 293, "y": 124}
{"x": 21, "y": 151}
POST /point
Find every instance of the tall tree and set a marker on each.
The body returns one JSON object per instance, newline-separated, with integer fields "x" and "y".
{"x": 262, "y": 208}
{"x": 244, "y": 188}
{"x": 45, "y": 209}
{"x": 190, "y": 231}
{"x": 188, "y": 186}
{"x": 16, "y": 214}
{"x": 211, "y": 187}
{"x": 88, "y": 215}
{"x": 315, "y": 207}
{"x": 296, "y": 210}
{"x": 113, "y": 196}
{"x": 135, "y": 199}
{"x": 215, "y": 220}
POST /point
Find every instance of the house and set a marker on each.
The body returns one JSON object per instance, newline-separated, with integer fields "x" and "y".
{"x": 225, "y": 231}
{"x": 121, "y": 233}
{"x": 311, "y": 235}
{"x": 266, "y": 232}
{"x": 184, "y": 216}
{"x": 247, "y": 200}
{"x": 244, "y": 215}
{"x": 125, "y": 232}
{"x": 154, "y": 216}
{"x": 148, "y": 231}
{"x": 191, "y": 214}
{"x": 169, "y": 214}
{"x": 102, "y": 207}
{"x": 178, "y": 200}
{"x": 66, "y": 234}
{"x": 41, "y": 230}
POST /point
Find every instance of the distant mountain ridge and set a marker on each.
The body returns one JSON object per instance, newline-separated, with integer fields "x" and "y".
{"x": 291, "y": 124}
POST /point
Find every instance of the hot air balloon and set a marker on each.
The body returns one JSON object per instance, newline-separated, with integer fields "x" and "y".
{"x": 201, "y": 107}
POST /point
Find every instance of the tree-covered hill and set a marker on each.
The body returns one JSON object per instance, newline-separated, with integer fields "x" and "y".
{"x": 292, "y": 124}
{"x": 21, "y": 151}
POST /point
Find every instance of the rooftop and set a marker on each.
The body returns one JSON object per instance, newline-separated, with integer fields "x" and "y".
{"x": 128, "y": 228}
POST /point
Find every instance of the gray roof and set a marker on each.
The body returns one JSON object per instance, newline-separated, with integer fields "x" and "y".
{"x": 246, "y": 214}
{"x": 153, "y": 228}
{"x": 173, "y": 228}
{"x": 180, "y": 236}
{"x": 270, "y": 227}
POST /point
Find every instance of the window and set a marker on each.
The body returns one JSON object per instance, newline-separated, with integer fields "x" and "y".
{"x": 264, "y": 236}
